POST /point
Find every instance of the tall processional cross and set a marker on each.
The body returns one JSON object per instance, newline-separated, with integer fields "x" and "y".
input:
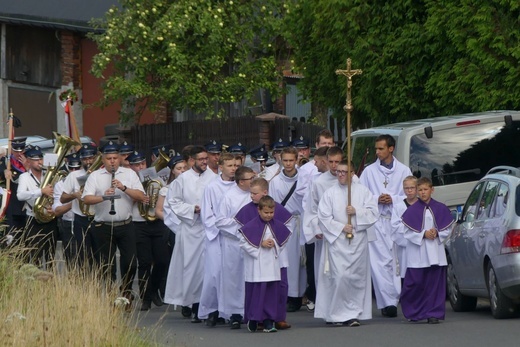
{"x": 348, "y": 107}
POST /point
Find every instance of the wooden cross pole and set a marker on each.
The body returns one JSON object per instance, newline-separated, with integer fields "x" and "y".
{"x": 348, "y": 107}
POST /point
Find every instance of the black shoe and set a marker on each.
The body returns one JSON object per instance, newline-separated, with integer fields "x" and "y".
{"x": 292, "y": 307}
{"x": 235, "y": 325}
{"x": 252, "y": 325}
{"x": 146, "y": 306}
{"x": 293, "y": 304}
{"x": 352, "y": 323}
{"x": 212, "y": 319}
{"x": 186, "y": 311}
{"x": 195, "y": 318}
{"x": 157, "y": 300}
{"x": 389, "y": 311}
{"x": 433, "y": 320}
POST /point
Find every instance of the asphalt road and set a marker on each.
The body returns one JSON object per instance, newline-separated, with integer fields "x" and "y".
{"x": 166, "y": 326}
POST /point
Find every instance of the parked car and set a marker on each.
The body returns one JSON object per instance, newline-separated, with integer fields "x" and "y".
{"x": 483, "y": 248}
{"x": 46, "y": 145}
{"x": 30, "y": 139}
{"x": 449, "y": 149}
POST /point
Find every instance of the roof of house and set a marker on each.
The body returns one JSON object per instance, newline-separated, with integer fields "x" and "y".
{"x": 72, "y": 15}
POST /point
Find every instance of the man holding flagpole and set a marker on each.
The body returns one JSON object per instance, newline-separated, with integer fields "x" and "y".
{"x": 15, "y": 215}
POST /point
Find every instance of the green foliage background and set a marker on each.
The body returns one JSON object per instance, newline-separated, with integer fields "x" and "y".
{"x": 420, "y": 58}
{"x": 190, "y": 53}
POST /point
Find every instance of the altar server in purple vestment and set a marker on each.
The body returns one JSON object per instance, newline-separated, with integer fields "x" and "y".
{"x": 260, "y": 188}
{"x": 262, "y": 240}
{"x": 428, "y": 224}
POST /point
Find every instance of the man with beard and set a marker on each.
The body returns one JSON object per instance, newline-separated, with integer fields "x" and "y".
{"x": 186, "y": 272}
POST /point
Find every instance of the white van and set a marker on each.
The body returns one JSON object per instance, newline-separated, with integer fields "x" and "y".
{"x": 453, "y": 151}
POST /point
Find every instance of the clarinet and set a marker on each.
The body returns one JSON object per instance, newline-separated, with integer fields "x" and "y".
{"x": 112, "y": 208}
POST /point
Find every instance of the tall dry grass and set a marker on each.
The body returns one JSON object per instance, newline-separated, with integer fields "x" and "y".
{"x": 39, "y": 308}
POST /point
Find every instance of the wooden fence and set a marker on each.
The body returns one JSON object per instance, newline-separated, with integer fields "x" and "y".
{"x": 245, "y": 130}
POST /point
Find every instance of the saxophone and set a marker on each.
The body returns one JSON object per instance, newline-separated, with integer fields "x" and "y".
{"x": 53, "y": 175}
{"x": 152, "y": 188}
{"x": 96, "y": 164}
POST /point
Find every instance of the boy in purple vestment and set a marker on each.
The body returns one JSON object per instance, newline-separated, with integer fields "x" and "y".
{"x": 263, "y": 238}
{"x": 428, "y": 223}
{"x": 258, "y": 189}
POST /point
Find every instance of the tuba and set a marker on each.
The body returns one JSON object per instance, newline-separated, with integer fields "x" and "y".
{"x": 53, "y": 175}
{"x": 98, "y": 162}
{"x": 152, "y": 188}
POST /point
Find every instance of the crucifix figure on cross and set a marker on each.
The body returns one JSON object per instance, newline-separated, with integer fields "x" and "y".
{"x": 349, "y": 73}
{"x": 348, "y": 107}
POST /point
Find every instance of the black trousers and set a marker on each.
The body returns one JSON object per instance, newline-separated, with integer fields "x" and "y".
{"x": 68, "y": 241}
{"x": 40, "y": 240}
{"x": 84, "y": 241}
{"x": 108, "y": 239}
{"x": 310, "y": 292}
{"x": 153, "y": 256}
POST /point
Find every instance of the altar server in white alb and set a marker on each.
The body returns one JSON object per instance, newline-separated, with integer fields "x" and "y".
{"x": 398, "y": 228}
{"x": 213, "y": 195}
{"x": 344, "y": 287}
{"x": 184, "y": 197}
{"x": 232, "y": 289}
{"x": 385, "y": 178}
{"x": 327, "y": 179}
{"x": 283, "y": 190}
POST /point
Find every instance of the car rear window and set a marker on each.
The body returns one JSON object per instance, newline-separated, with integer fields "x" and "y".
{"x": 464, "y": 154}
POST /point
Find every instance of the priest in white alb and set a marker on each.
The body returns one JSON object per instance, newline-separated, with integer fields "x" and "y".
{"x": 385, "y": 178}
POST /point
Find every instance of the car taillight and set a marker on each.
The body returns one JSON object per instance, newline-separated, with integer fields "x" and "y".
{"x": 511, "y": 243}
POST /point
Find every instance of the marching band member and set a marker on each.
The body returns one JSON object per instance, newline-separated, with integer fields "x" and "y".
{"x": 153, "y": 255}
{"x": 16, "y": 215}
{"x": 64, "y": 214}
{"x": 39, "y": 237}
{"x": 72, "y": 191}
{"x": 112, "y": 191}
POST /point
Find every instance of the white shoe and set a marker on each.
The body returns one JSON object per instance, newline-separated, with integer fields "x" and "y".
{"x": 310, "y": 306}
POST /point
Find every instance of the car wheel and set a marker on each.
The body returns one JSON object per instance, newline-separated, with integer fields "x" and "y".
{"x": 501, "y": 305}
{"x": 458, "y": 301}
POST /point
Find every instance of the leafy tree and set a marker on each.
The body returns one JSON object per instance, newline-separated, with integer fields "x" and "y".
{"x": 419, "y": 58}
{"x": 188, "y": 53}
{"x": 477, "y": 44}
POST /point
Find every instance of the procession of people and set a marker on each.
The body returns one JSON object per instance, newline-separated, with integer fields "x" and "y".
{"x": 237, "y": 244}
